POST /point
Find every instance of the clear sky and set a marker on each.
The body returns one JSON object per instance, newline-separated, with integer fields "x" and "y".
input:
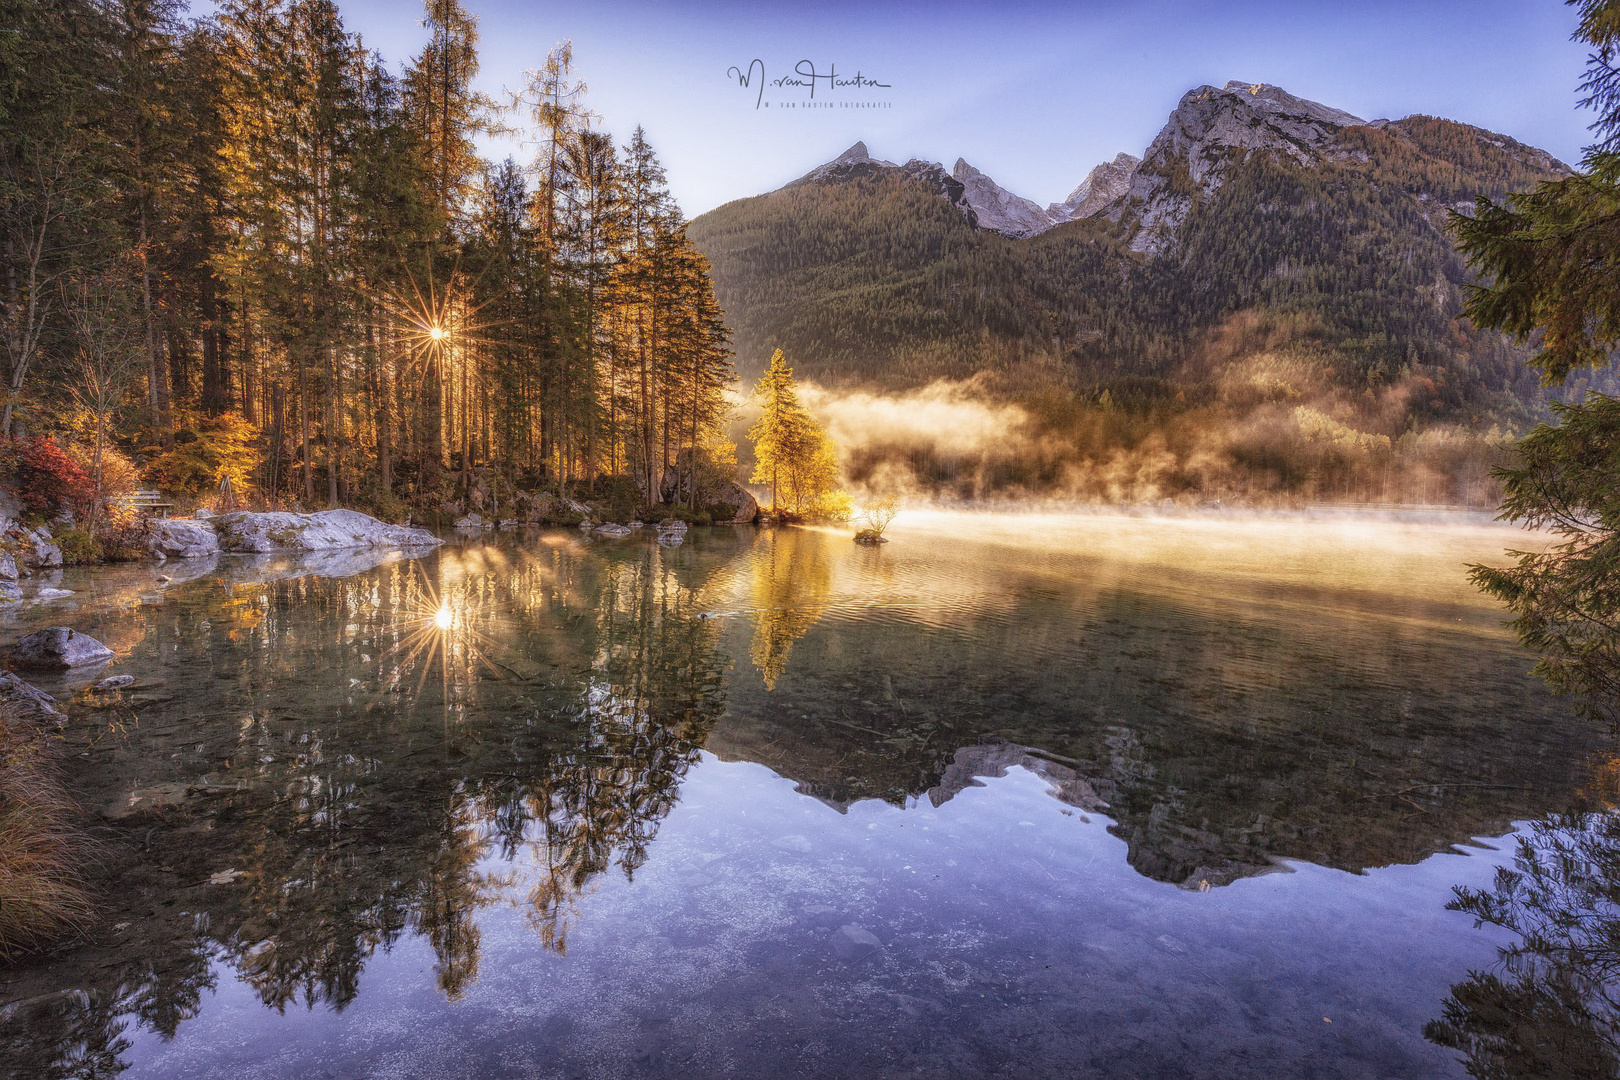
{"x": 1032, "y": 94}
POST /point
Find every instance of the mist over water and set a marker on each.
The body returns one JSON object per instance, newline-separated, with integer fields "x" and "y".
{"x": 1049, "y": 794}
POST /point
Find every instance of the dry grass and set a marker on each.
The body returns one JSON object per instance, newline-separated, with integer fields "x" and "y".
{"x": 41, "y": 854}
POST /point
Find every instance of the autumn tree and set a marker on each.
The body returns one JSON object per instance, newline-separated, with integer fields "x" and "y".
{"x": 791, "y": 451}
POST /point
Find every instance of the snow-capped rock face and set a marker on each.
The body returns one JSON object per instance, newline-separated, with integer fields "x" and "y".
{"x": 1101, "y": 186}
{"x": 998, "y": 209}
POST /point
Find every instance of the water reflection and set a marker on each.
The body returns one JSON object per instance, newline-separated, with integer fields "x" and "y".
{"x": 1551, "y": 1006}
{"x": 318, "y": 769}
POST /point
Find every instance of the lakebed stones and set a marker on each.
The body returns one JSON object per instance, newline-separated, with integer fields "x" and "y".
{"x": 58, "y": 648}
{"x": 49, "y": 593}
{"x": 28, "y": 703}
{"x": 180, "y": 538}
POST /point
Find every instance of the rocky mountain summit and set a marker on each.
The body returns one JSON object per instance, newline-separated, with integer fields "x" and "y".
{"x": 1211, "y": 130}
{"x": 1102, "y": 185}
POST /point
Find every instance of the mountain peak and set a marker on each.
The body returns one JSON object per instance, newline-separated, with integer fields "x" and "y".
{"x": 996, "y": 208}
{"x": 852, "y": 163}
{"x": 1102, "y": 185}
{"x": 1275, "y": 99}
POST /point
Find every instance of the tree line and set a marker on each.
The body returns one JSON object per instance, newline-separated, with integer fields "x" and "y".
{"x": 246, "y": 246}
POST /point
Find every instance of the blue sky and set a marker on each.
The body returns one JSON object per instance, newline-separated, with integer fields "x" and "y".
{"x": 1034, "y": 95}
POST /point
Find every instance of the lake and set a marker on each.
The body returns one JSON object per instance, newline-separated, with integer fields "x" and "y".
{"x": 1034, "y": 796}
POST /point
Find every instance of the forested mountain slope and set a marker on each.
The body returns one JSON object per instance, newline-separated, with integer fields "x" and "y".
{"x": 1256, "y": 225}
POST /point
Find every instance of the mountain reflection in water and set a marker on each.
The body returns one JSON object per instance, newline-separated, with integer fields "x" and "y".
{"x": 498, "y": 810}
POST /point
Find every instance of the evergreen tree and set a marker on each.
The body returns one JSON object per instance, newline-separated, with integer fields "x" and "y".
{"x": 1550, "y": 259}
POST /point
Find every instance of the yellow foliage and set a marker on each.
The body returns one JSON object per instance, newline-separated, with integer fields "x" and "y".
{"x": 207, "y": 451}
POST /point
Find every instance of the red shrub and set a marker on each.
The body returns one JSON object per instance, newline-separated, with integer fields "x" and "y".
{"x": 43, "y": 477}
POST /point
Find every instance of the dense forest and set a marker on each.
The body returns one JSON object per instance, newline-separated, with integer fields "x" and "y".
{"x": 1300, "y": 336}
{"x": 247, "y": 249}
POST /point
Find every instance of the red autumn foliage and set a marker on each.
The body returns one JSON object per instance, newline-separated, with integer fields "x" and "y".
{"x": 43, "y": 477}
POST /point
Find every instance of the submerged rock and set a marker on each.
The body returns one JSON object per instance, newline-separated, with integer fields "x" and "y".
{"x": 27, "y": 702}
{"x": 851, "y": 942}
{"x": 115, "y": 682}
{"x": 182, "y": 538}
{"x": 612, "y": 529}
{"x": 58, "y": 648}
{"x": 49, "y": 593}
{"x": 325, "y": 530}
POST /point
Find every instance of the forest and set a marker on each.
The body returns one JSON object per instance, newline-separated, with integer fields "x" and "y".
{"x": 247, "y": 258}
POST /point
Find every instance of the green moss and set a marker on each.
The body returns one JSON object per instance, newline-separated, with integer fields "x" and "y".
{"x": 79, "y": 547}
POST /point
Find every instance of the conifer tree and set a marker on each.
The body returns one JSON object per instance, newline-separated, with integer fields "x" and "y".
{"x": 1550, "y": 259}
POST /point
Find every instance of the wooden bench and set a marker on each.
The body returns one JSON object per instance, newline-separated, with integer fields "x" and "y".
{"x": 142, "y": 500}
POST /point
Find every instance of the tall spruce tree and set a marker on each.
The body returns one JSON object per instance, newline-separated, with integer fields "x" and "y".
{"x": 1550, "y": 266}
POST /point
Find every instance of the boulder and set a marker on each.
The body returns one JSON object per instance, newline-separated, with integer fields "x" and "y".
{"x": 612, "y": 529}
{"x": 34, "y": 548}
{"x": 533, "y": 507}
{"x": 326, "y": 530}
{"x": 115, "y": 682}
{"x": 58, "y": 648}
{"x": 49, "y": 593}
{"x": 181, "y": 538}
{"x": 29, "y": 703}
{"x": 727, "y": 500}
{"x": 736, "y": 498}
{"x": 870, "y": 536}
{"x": 10, "y": 592}
{"x": 471, "y": 521}
{"x": 8, "y": 566}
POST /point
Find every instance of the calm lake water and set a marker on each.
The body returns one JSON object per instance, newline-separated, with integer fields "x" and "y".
{"x": 1043, "y": 797}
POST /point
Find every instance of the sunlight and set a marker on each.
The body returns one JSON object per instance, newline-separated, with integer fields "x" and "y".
{"x": 443, "y": 618}
{"x": 436, "y": 333}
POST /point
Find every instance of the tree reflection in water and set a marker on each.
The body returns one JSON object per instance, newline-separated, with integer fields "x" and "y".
{"x": 374, "y": 770}
{"x": 1553, "y": 1010}
{"x": 790, "y": 581}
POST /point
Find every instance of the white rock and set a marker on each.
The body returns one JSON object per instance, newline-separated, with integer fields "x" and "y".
{"x": 326, "y": 530}
{"x": 182, "y": 538}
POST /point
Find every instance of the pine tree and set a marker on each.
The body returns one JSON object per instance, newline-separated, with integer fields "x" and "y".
{"x": 1551, "y": 263}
